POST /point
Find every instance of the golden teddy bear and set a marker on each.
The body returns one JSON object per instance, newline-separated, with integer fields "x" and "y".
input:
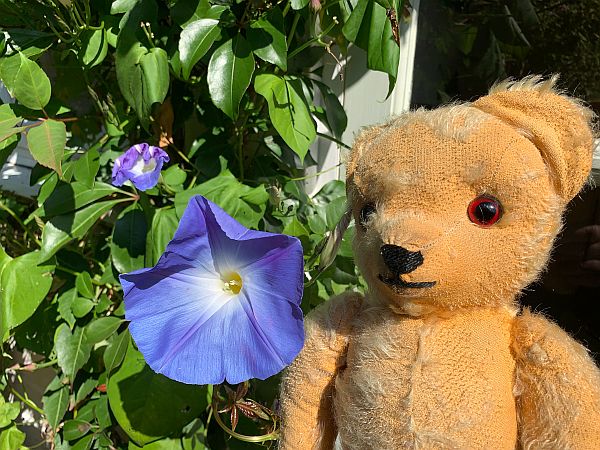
{"x": 456, "y": 211}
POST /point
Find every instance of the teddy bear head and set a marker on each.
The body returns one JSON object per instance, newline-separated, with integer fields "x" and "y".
{"x": 459, "y": 206}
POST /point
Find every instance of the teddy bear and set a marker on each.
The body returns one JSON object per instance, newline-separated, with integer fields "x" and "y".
{"x": 456, "y": 210}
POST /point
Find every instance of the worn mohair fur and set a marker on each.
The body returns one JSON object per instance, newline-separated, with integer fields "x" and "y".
{"x": 457, "y": 365}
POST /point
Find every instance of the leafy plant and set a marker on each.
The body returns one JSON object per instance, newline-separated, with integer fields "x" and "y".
{"x": 227, "y": 88}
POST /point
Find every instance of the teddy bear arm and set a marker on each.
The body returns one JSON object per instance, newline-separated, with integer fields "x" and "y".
{"x": 307, "y": 385}
{"x": 557, "y": 387}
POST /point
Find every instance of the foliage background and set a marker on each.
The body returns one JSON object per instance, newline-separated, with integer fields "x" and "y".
{"x": 228, "y": 88}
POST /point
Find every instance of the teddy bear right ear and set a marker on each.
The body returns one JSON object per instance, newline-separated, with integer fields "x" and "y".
{"x": 558, "y": 125}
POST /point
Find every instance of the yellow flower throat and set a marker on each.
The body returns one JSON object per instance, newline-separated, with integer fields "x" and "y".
{"x": 232, "y": 282}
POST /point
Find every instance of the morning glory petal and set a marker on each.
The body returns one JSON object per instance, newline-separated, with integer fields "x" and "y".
{"x": 221, "y": 304}
{"x": 184, "y": 296}
{"x": 141, "y": 164}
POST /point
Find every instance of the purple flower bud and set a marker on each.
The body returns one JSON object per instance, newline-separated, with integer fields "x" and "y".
{"x": 141, "y": 164}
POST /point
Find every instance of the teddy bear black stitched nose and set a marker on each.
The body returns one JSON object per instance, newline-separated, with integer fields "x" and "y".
{"x": 400, "y": 260}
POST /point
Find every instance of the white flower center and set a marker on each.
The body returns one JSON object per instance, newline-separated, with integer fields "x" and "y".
{"x": 140, "y": 167}
{"x": 232, "y": 283}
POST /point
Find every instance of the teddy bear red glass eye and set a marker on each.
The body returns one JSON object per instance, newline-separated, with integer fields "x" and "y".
{"x": 484, "y": 211}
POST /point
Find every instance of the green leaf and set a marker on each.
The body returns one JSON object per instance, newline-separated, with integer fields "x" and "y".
{"x": 23, "y": 286}
{"x": 196, "y": 38}
{"x": 247, "y": 205}
{"x": 81, "y": 306}
{"x": 144, "y": 79}
{"x": 299, "y": 4}
{"x": 65, "y": 306}
{"x": 146, "y": 418}
{"x": 68, "y": 197}
{"x": 9, "y": 68}
{"x": 334, "y": 111}
{"x": 8, "y": 132}
{"x": 86, "y": 167}
{"x": 11, "y": 438}
{"x": 31, "y": 84}
{"x": 142, "y": 73}
{"x": 229, "y": 73}
{"x": 185, "y": 12}
{"x": 4, "y": 259}
{"x": 121, "y": 6}
{"x": 267, "y": 39}
{"x": 164, "y": 225}
{"x": 370, "y": 29}
{"x": 334, "y": 212}
{"x": 60, "y": 230}
{"x": 85, "y": 443}
{"x": 100, "y": 329}
{"x": 30, "y": 42}
{"x": 85, "y": 389}
{"x": 115, "y": 352}
{"x": 55, "y": 406}
{"x": 8, "y": 412}
{"x": 154, "y": 67}
{"x": 47, "y": 143}
{"x": 84, "y": 285}
{"x": 94, "y": 47}
{"x": 8, "y": 120}
{"x": 288, "y": 110}
{"x": 74, "y": 429}
{"x": 295, "y": 228}
{"x": 128, "y": 244}
{"x": 72, "y": 350}
{"x": 174, "y": 177}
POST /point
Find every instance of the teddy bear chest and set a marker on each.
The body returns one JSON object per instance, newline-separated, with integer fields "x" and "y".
{"x": 428, "y": 383}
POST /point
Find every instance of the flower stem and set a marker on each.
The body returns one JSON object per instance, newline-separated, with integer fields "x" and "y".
{"x": 27, "y": 401}
{"x": 292, "y": 32}
{"x": 332, "y": 139}
{"x": 307, "y": 177}
{"x": 312, "y": 41}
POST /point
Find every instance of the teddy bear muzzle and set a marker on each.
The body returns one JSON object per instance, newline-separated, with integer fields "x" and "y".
{"x": 401, "y": 261}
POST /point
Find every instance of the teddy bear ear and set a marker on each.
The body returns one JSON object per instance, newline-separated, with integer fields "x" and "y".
{"x": 558, "y": 125}
{"x": 361, "y": 145}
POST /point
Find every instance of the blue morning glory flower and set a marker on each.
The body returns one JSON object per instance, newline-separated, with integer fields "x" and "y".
{"x": 221, "y": 304}
{"x": 141, "y": 164}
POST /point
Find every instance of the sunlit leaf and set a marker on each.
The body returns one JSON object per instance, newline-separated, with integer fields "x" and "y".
{"x": 47, "y": 143}
{"x": 288, "y": 110}
{"x": 72, "y": 350}
{"x": 229, "y": 73}
{"x": 23, "y": 285}
{"x": 267, "y": 39}
{"x": 86, "y": 167}
{"x": 115, "y": 352}
{"x": 94, "y": 47}
{"x": 370, "y": 29}
{"x": 101, "y": 328}
{"x": 31, "y": 84}
{"x": 246, "y": 204}
{"x": 60, "y": 230}
{"x": 196, "y": 38}
{"x": 164, "y": 224}
{"x": 55, "y": 405}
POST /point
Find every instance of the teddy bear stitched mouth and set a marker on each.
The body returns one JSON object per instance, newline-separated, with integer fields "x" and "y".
{"x": 395, "y": 282}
